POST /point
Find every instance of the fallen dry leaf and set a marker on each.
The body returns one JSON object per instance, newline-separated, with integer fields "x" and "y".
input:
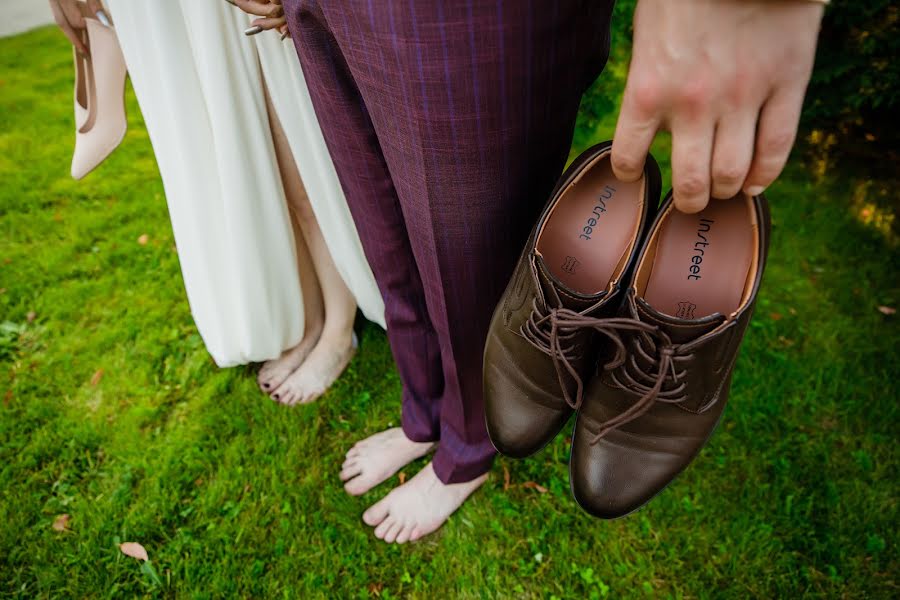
{"x": 775, "y": 316}
{"x": 402, "y": 477}
{"x": 31, "y": 316}
{"x": 375, "y": 588}
{"x": 535, "y": 486}
{"x": 887, "y": 310}
{"x": 97, "y": 376}
{"x": 61, "y": 523}
{"x": 785, "y": 342}
{"x": 143, "y": 239}
{"x": 7, "y": 397}
{"x": 505, "y": 478}
{"x": 134, "y": 550}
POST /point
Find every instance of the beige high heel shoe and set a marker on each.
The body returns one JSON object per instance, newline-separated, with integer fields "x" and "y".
{"x": 99, "y": 98}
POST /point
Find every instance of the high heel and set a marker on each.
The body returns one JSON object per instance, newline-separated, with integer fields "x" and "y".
{"x": 100, "y": 80}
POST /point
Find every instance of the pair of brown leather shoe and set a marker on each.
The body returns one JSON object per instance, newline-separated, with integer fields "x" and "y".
{"x": 630, "y": 318}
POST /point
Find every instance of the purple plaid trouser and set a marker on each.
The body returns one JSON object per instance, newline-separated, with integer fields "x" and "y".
{"x": 448, "y": 122}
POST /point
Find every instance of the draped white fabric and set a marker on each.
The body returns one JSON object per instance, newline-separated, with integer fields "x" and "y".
{"x": 198, "y": 82}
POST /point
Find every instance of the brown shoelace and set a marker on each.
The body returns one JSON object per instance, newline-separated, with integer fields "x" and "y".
{"x": 553, "y": 331}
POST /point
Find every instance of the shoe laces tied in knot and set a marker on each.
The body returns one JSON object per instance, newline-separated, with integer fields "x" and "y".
{"x": 554, "y": 331}
{"x": 658, "y": 379}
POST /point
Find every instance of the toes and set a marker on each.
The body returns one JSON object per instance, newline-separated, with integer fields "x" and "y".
{"x": 270, "y": 378}
{"x": 376, "y": 513}
{"x": 312, "y": 396}
{"x": 351, "y": 470}
{"x": 279, "y": 393}
{"x": 391, "y": 536}
{"x": 415, "y": 534}
{"x": 358, "y": 486}
{"x": 286, "y": 394}
{"x": 383, "y": 528}
{"x": 405, "y": 534}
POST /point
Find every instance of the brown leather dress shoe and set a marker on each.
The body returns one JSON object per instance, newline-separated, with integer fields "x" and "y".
{"x": 579, "y": 252}
{"x": 647, "y": 415}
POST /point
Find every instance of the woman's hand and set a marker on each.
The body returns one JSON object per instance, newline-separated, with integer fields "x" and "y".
{"x": 69, "y": 15}
{"x": 271, "y": 14}
{"x": 727, "y": 78}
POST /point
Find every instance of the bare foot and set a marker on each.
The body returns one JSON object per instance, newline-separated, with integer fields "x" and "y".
{"x": 374, "y": 459}
{"x": 418, "y": 507}
{"x": 324, "y": 364}
{"x": 274, "y": 372}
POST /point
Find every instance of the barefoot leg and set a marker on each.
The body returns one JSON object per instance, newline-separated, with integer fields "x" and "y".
{"x": 274, "y": 372}
{"x": 336, "y": 344}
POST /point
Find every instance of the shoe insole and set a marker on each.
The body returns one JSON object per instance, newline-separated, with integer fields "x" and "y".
{"x": 702, "y": 260}
{"x": 81, "y": 95}
{"x": 87, "y": 89}
{"x": 591, "y": 229}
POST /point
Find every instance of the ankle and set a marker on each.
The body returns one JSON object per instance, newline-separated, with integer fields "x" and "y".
{"x": 337, "y": 333}
{"x": 313, "y": 328}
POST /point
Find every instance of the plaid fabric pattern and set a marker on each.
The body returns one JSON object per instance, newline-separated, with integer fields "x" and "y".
{"x": 448, "y": 122}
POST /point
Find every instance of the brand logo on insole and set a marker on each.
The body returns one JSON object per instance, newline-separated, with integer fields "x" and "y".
{"x": 701, "y": 245}
{"x": 570, "y": 265}
{"x": 599, "y": 209}
{"x": 685, "y": 310}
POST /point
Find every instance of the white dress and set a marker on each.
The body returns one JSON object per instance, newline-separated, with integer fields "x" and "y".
{"x": 198, "y": 80}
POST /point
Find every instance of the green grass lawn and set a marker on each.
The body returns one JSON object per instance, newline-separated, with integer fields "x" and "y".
{"x": 113, "y": 413}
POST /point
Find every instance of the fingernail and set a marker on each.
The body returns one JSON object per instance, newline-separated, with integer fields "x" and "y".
{"x": 755, "y": 190}
{"x": 285, "y": 34}
{"x": 252, "y": 30}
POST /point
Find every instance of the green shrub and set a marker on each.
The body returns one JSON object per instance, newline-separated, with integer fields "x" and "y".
{"x": 855, "y": 89}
